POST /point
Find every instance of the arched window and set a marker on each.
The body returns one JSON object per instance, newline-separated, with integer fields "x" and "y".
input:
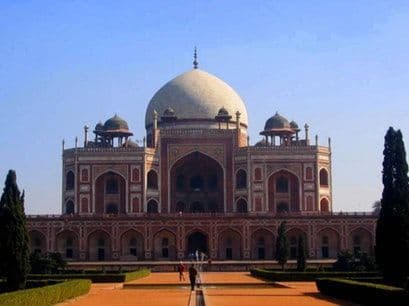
{"x": 257, "y": 174}
{"x": 69, "y": 207}
{"x": 282, "y": 184}
{"x": 196, "y": 182}
{"x": 112, "y": 208}
{"x": 112, "y": 186}
{"x": 323, "y": 178}
{"x": 152, "y": 207}
{"x": 324, "y": 204}
{"x": 308, "y": 173}
{"x": 241, "y": 206}
{"x": 69, "y": 180}
{"x": 152, "y": 180}
{"x": 282, "y": 207}
{"x": 241, "y": 179}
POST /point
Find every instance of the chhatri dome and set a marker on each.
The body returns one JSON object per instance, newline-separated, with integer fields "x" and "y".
{"x": 198, "y": 96}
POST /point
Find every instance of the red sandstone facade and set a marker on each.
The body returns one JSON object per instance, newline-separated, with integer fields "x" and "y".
{"x": 197, "y": 184}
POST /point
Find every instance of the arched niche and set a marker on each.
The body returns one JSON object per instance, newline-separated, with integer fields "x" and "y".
{"x": 110, "y": 190}
{"x": 99, "y": 246}
{"x": 132, "y": 246}
{"x": 230, "y": 245}
{"x": 68, "y": 245}
{"x": 197, "y": 180}
{"x": 284, "y": 187}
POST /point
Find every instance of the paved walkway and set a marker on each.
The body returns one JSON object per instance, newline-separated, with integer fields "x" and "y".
{"x": 223, "y": 289}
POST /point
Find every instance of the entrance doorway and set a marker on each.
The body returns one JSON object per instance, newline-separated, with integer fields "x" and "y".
{"x": 197, "y": 241}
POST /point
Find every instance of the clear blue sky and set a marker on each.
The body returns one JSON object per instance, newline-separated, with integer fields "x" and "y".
{"x": 341, "y": 66}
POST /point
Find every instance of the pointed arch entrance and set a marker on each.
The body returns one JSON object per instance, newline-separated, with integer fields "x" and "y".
{"x": 197, "y": 181}
{"x": 197, "y": 241}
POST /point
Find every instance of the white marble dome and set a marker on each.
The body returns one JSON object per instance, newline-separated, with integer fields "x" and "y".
{"x": 195, "y": 95}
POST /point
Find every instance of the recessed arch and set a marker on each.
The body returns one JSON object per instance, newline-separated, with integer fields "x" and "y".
{"x": 324, "y": 205}
{"x": 38, "y": 241}
{"x": 197, "y": 180}
{"x": 99, "y": 245}
{"x": 324, "y": 180}
{"x": 152, "y": 207}
{"x": 110, "y": 188}
{"x": 132, "y": 245}
{"x": 164, "y": 245}
{"x": 152, "y": 180}
{"x": 329, "y": 243}
{"x": 241, "y": 205}
{"x": 230, "y": 244}
{"x": 360, "y": 241}
{"x": 241, "y": 179}
{"x": 69, "y": 207}
{"x": 262, "y": 244}
{"x": 197, "y": 240}
{"x": 291, "y": 194}
{"x": 69, "y": 180}
{"x": 67, "y": 244}
{"x": 293, "y": 236}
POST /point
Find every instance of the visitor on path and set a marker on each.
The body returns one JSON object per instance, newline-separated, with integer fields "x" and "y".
{"x": 192, "y": 277}
{"x": 181, "y": 270}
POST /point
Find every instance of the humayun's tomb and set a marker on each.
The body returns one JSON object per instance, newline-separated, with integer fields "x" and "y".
{"x": 195, "y": 183}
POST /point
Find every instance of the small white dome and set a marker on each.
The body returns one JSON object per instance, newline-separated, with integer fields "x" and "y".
{"x": 195, "y": 95}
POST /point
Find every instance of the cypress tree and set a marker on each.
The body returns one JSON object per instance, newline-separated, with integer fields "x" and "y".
{"x": 392, "y": 231}
{"x": 282, "y": 245}
{"x": 301, "y": 256}
{"x": 14, "y": 247}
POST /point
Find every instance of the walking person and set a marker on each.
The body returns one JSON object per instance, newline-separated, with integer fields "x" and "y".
{"x": 192, "y": 277}
{"x": 181, "y": 270}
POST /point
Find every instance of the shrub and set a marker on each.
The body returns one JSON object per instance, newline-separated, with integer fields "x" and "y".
{"x": 359, "y": 262}
{"x": 46, "y": 263}
{"x": 362, "y": 292}
{"x": 48, "y": 295}
{"x": 97, "y": 277}
{"x": 130, "y": 276}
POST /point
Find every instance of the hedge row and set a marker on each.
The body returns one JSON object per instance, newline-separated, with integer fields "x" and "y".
{"x": 47, "y": 295}
{"x": 130, "y": 276}
{"x": 283, "y": 276}
{"x": 95, "y": 278}
{"x": 363, "y": 293}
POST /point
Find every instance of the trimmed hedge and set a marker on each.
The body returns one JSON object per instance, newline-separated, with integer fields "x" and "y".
{"x": 95, "y": 278}
{"x": 283, "y": 276}
{"x": 47, "y": 295}
{"x": 363, "y": 293}
{"x": 130, "y": 276}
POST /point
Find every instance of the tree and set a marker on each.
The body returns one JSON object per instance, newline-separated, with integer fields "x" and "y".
{"x": 282, "y": 245}
{"x": 301, "y": 255}
{"x": 376, "y": 207}
{"x": 392, "y": 230}
{"x": 14, "y": 248}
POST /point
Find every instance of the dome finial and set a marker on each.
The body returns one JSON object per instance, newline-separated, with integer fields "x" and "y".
{"x": 195, "y": 62}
